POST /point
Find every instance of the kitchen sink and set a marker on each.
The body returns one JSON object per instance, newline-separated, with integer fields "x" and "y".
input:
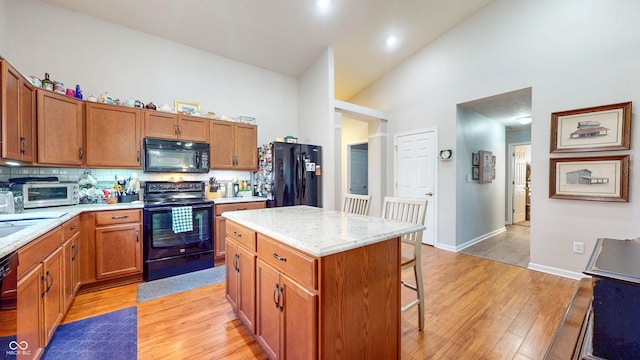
{"x": 11, "y": 227}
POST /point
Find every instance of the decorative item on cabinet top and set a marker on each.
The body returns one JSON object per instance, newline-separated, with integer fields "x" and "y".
{"x": 187, "y": 107}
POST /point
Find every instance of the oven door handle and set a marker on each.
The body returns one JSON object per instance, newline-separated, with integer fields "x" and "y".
{"x": 165, "y": 208}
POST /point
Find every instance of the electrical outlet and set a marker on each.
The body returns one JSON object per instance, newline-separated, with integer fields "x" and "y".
{"x": 578, "y": 247}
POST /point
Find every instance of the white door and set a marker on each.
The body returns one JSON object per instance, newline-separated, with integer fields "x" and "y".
{"x": 415, "y": 175}
{"x": 358, "y": 170}
{"x": 520, "y": 159}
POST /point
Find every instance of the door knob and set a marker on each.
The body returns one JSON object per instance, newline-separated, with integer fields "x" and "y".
{"x": 429, "y": 193}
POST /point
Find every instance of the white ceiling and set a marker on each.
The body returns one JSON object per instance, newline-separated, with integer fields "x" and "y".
{"x": 287, "y": 36}
{"x": 505, "y": 108}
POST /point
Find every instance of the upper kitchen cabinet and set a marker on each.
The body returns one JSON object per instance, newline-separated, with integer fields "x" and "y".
{"x": 18, "y": 105}
{"x": 233, "y": 146}
{"x": 113, "y": 136}
{"x": 60, "y": 129}
{"x": 171, "y": 126}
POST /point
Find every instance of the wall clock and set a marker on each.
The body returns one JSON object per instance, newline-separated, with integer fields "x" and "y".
{"x": 446, "y": 154}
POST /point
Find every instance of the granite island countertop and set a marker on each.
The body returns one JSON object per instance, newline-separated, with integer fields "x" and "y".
{"x": 320, "y": 232}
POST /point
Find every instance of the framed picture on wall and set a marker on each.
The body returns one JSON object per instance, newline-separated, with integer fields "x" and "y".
{"x": 475, "y": 159}
{"x": 598, "y": 128}
{"x": 475, "y": 172}
{"x": 486, "y": 168}
{"x": 601, "y": 178}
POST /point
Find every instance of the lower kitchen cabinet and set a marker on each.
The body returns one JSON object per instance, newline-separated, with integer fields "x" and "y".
{"x": 241, "y": 273}
{"x": 71, "y": 253}
{"x": 118, "y": 243}
{"x": 220, "y": 229}
{"x": 40, "y": 291}
{"x": 287, "y": 312}
{"x": 30, "y": 310}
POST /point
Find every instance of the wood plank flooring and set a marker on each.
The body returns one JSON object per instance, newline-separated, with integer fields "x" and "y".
{"x": 475, "y": 309}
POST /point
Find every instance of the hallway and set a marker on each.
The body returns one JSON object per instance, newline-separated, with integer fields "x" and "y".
{"x": 510, "y": 247}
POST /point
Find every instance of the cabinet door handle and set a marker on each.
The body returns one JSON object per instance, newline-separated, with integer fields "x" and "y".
{"x": 137, "y": 235}
{"x": 81, "y": 153}
{"x": 236, "y": 234}
{"x": 276, "y": 291}
{"x": 138, "y": 156}
{"x": 175, "y": 129}
{"x": 73, "y": 227}
{"x": 281, "y": 298}
{"x": 49, "y": 276}
{"x": 279, "y": 257}
{"x": 179, "y": 129}
{"x": 75, "y": 253}
{"x": 114, "y": 217}
{"x": 242, "y": 208}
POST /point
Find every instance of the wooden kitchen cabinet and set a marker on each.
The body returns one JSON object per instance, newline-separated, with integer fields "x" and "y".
{"x": 286, "y": 324}
{"x": 40, "y": 290}
{"x": 118, "y": 243}
{"x": 171, "y": 126}
{"x": 220, "y": 223}
{"x": 240, "y": 267}
{"x": 60, "y": 129}
{"x": 113, "y": 136}
{"x": 233, "y": 146}
{"x": 53, "y": 293}
{"x": 71, "y": 253}
{"x": 18, "y": 109}
{"x": 30, "y": 310}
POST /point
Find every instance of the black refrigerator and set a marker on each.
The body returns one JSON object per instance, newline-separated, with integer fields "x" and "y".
{"x": 290, "y": 174}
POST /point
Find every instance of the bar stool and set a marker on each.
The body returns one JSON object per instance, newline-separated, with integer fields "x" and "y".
{"x": 356, "y": 204}
{"x": 411, "y": 211}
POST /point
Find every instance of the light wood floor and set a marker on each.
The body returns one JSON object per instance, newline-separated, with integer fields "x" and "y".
{"x": 475, "y": 309}
{"x": 511, "y": 247}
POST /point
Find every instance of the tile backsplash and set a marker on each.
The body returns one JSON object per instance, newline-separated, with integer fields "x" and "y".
{"x": 108, "y": 175}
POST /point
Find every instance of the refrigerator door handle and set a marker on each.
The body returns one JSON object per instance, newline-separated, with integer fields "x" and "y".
{"x": 297, "y": 178}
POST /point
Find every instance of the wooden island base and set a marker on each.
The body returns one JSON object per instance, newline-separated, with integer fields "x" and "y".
{"x": 344, "y": 305}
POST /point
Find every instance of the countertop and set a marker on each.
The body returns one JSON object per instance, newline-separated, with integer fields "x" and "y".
{"x": 46, "y": 219}
{"x": 615, "y": 259}
{"x": 319, "y": 232}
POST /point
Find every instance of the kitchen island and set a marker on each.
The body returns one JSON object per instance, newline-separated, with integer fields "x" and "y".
{"x": 311, "y": 283}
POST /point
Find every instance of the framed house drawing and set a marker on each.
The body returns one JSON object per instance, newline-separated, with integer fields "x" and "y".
{"x": 598, "y": 128}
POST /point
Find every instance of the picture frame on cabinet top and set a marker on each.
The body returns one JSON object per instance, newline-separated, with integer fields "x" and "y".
{"x": 189, "y": 107}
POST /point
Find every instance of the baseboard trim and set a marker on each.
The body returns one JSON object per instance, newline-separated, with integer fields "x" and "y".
{"x": 479, "y": 239}
{"x": 557, "y": 271}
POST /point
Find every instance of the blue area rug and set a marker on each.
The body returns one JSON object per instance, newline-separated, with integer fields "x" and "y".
{"x": 111, "y": 336}
{"x": 176, "y": 284}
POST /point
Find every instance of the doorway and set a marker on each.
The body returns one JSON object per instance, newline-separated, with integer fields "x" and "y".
{"x": 521, "y": 184}
{"x": 358, "y": 168}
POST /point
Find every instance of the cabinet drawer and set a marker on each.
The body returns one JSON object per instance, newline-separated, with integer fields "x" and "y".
{"x": 292, "y": 263}
{"x": 239, "y": 206}
{"x": 117, "y": 217}
{"x": 242, "y": 235}
{"x": 71, "y": 227}
{"x": 34, "y": 252}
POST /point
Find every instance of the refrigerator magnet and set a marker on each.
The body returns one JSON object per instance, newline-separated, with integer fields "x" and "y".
{"x": 318, "y": 171}
{"x": 310, "y": 166}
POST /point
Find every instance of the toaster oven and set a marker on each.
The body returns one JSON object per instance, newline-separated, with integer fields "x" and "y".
{"x": 45, "y": 194}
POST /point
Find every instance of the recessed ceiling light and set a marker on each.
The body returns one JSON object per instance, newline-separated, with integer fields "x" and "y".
{"x": 524, "y": 120}
{"x": 323, "y": 5}
{"x": 391, "y": 41}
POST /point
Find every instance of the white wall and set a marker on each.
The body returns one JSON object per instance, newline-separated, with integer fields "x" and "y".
{"x": 126, "y": 63}
{"x": 316, "y": 118}
{"x": 574, "y": 54}
{"x": 4, "y": 31}
{"x": 480, "y": 207}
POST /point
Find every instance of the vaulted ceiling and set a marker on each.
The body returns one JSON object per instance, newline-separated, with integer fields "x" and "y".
{"x": 287, "y": 36}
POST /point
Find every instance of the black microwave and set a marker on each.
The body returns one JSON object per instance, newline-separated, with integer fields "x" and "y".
{"x": 175, "y": 156}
